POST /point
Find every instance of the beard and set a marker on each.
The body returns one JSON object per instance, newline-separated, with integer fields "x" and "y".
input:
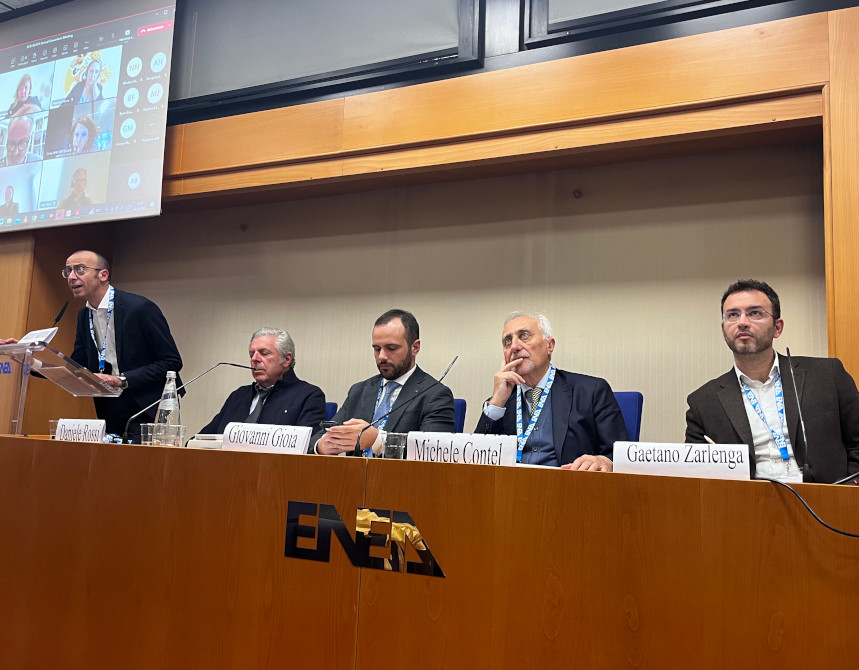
{"x": 757, "y": 344}
{"x": 394, "y": 370}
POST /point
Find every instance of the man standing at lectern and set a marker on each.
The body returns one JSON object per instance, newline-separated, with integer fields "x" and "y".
{"x": 560, "y": 418}
{"x": 121, "y": 337}
{"x": 755, "y": 404}
{"x": 396, "y": 343}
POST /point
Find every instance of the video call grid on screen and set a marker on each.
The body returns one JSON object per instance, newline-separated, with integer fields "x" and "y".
{"x": 82, "y": 122}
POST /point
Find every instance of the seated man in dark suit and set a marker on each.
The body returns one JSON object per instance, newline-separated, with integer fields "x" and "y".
{"x": 754, "y": 404}
{"x": 560, "y": 418}
{"x": 396, "y": 343}
{"x": 277, "y": 396}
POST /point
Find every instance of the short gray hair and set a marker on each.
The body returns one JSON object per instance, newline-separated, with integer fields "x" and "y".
{"x": 282, "y": 341}
{"x": 542, "y": 319}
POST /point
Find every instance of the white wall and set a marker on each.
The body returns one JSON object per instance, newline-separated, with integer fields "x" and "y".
{"x": 630, "y": 274}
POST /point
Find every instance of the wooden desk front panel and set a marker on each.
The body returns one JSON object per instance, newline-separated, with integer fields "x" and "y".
{"x": 140, "y": 557}
{"x": 554, "y": 569}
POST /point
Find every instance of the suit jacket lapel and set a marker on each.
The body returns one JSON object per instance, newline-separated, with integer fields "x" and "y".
{"x": 791, "y": 410}
{"x": 367, "y": 403}
{"x": 561, "y": 395}
{"x": 731, "y": 397}
{"x": 412, "y": 387}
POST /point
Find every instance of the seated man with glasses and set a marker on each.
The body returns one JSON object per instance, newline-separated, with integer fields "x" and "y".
{"x": 123, "y": 338}
{"x": 754, "y": 403}
{"x": 20, "y": 131}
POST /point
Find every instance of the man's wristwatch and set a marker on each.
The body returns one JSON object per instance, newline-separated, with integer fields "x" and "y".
{"x": 124, "y": 382}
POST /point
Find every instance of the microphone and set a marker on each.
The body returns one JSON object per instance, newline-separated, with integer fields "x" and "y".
{"x": 357, "y": 451}
{"x": 60, "y": 315}
{"x": 806, "y": 469}
{"x": 148, "y": 407}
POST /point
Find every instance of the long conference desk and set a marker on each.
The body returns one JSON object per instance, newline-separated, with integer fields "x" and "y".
{"x": 139, "y": 557}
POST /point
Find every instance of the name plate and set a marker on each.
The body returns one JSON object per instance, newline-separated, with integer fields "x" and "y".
{"x": 266, "y": 438}
{"x": 709, "y": 461}
{"x": 80, "y": 430}
{"x": 461, "y": 448}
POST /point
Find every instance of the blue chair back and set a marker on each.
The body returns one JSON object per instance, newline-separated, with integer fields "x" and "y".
{"x": 631, "y": 404}
{"x": 459, "y": 406}
{"x": 330, "y": 410}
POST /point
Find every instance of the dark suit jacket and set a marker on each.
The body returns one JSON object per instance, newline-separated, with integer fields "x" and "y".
{"x": 145, "y": 351}
{"x": 830, "y": 409}
{"x": 586, "y": 418}
{"x": 431, "y": 412}
{"x": 292, "y": 402}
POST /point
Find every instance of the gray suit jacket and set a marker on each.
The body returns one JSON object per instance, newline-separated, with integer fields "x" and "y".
{"x": 432, "y": 411}
{"x": 830, "y": 409}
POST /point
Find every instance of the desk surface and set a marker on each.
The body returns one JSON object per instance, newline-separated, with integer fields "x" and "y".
{"x": 141, "y": 557}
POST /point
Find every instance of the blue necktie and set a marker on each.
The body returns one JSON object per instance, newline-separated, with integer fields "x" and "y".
{"x": 385, "y": 404}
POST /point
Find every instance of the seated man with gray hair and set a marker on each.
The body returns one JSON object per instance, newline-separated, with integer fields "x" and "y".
{"x": 277, "y": 396}
{"x": 560, "y": 418}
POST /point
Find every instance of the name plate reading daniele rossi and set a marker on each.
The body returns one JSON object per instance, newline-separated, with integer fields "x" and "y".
{"x": 461, "y": 448}
{"x": 709, "y": 461}
{"x": 266, "y": 438}
{"x": 80, "y": 430}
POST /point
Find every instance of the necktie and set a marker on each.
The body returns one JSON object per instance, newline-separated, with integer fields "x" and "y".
{"x": 262, "y": 394}
{"x": 385, "y": 404}
{"x": 535, "y": 394}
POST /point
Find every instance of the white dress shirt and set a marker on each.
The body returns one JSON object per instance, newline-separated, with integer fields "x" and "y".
{"x": 768, "y": 460}
{"x": 99, "y": 323}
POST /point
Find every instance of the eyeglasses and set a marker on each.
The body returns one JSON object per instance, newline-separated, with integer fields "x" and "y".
{"x": 79, "y": 269}
{"x": 755, "y": 314}
{"x": 20, "y": 145}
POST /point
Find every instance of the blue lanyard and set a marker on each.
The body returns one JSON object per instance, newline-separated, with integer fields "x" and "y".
{"x": 521, "y": 437}
{"x": 101, "y": 354}
{"x": 780, "y": 442}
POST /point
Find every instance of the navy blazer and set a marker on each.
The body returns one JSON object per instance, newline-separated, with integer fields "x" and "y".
{"x": 145, "y": 351}
{"x": 292, "y": 402}
{"x": 586, "y": 418}
{"x": 830, "y": 409}
{"x": 431, "y": 412}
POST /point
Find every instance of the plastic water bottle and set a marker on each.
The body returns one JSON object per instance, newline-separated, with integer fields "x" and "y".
{"x": 168, "y": 408}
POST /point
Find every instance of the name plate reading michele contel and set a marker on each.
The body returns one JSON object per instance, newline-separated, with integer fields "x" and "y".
{"x": 80, "y": 430}
{"x": 461, "y": 448}
{"x": 266, "y": 438}
{"x": 708, "y": 461}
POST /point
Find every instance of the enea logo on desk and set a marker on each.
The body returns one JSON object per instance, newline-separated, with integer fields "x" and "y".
{"x": 383, "y": 539}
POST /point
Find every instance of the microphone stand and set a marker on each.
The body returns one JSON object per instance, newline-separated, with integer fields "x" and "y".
{"x": 806, "y": 468}
{"x": 357, "y": 450}
{"x": 188, "y": 383}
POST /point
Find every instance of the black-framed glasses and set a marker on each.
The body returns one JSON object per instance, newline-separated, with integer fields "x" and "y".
{"x": 754, "y": 314}
{"x": 79, "y": 269}
{"x": 19, "y": 146}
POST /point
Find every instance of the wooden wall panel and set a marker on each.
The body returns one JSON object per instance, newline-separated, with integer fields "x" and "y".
{"x": 271, "y": 136}
{"x": 509, "y": 115}
{"x": 728, "y": 64}
{"x": 842, "y": 188}
{"x": 16, "y": 265}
